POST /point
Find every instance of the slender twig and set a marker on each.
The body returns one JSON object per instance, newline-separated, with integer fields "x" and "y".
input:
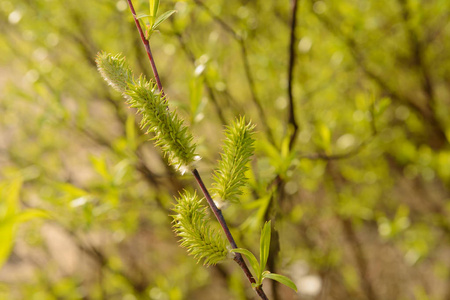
{"x": 219, "y": 216}
{"x": 337, "y": 182}
{"x": 252, "y": 87}
{"x": 147, "y": 48}
{"x": 349, "y": 154}
{"x": 219, "y": 20}
{"x": 291, "y": 113}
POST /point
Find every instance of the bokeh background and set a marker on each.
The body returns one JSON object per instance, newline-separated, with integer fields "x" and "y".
{"x": 358, "y": 193}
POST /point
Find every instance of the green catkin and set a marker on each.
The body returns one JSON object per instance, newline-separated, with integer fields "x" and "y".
{"x": 174, "y": 139}
{"x": 114, "y": 70}
{"x": 192, "y": 225}
{"x": 171, "y": 135}
{"x": 238, "y": 148}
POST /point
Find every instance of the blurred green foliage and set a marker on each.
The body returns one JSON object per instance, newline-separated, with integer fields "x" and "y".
{"x": 360, "y": 202}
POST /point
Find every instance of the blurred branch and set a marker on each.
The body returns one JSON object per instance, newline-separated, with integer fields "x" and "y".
{"x": 292, "y": 56}
{"x": 352, "y": 152}
{"x": 349, "y": 232}
{"x": 349, "y": 154}
{"x": 248, "y": 72}
{"x": 418, "y": 56}
{"x": 192, "y": 59}
{"x": 436, "y": 129}
{"x": 99, "y": 257}
{"x": 218, "y": 214}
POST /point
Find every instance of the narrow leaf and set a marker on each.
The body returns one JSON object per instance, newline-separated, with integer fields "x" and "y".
{"x": 142, "y": 16}
{"x": 154, "y": 5}
{"x": 265, "y": 244}
{"x": 100, "y": 165}
{"x": 11, "y": 193}
{"x": 253, "y": 262}
{"x": 7, "y": 237}
{"x": 162, "y": 18}
{"x": 281, "y": 279}
{"x": 22, "y": 217}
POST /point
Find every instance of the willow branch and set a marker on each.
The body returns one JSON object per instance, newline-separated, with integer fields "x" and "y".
{"x": 217, "y": 212}
{"x": 219, "y": 216}
{"x": 147, "y": 48}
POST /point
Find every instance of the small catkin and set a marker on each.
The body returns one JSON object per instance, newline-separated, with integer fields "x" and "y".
{"x": 191, "y": 223}
{"x": 115, "y": 71}
{"x": 237, "y": 149}
{"x": 170, "y": 133}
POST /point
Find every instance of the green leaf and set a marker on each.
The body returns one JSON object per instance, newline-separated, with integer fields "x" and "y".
{"x": 381, "y": 106}
{"x": 100, "y": 165}
{"x": 281, "y": 159}
{"x": 71, "y": 191}
{"x": 162, "y": 18}
{"x": 253, "y": 262}
{"x": 325, "y": 135}
{"x": 255, "y": 220}
{"x": 281, "y": 279}
{"x": 142, "y": 16}
{"x": 154, "y": 5}
{"x": 265, "y": 245}
{"x": 10, "y": 193}
{"x": 10, "y": 216}
{"x": 6, "y": 236}
{"x": 9, "y": 205}
{"x": 22, "y": 217}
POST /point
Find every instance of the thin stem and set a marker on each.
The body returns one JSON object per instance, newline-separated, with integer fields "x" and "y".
{"x": 219, "y": 216}
{"x": 217, "y": 212}
{"x": 147, "y": 48}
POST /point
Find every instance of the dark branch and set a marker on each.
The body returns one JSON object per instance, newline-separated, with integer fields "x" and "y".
{"x": 291, "y": 113}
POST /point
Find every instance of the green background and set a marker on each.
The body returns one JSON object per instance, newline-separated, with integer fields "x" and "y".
{"x": 360, "y": 201}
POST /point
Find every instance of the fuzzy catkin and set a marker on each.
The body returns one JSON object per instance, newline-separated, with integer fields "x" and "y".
{"x": 115, "y": 71}
{"x": 170, "y": 133}
{"x": 238, "y": 148}
{"x": 174, "y": 139}
{"x": 197, "y": 236}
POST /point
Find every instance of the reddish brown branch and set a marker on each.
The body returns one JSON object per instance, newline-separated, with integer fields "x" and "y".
{"x": 147, "y": 47}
